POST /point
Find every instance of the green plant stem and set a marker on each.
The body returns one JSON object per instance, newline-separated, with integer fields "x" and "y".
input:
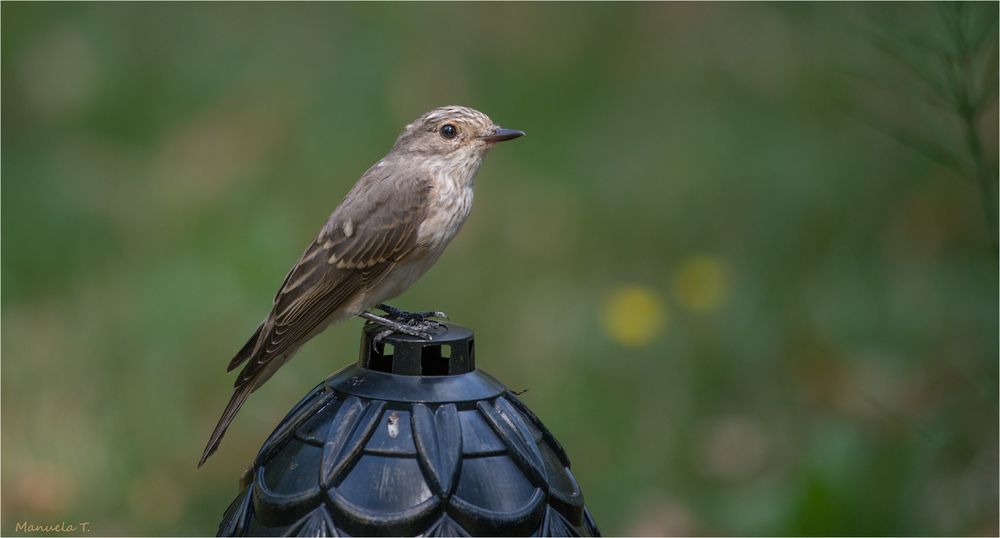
{"x": 958, "y": 73}
{"x": 985, "y": 174}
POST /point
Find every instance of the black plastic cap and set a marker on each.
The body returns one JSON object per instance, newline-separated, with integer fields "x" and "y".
{"x": 451, "y": 351}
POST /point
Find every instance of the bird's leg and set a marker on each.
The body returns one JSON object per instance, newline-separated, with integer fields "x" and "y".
{"x": 403, "y": 315}
{"x": 396, "y": 326}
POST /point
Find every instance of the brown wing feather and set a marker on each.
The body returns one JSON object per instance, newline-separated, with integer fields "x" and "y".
{"x": 382, "y": 217}
{"x": 372, "y": 229}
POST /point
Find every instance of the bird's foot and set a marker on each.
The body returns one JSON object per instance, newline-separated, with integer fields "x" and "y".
{"x": 409, "y": 317}
{"x": 415, "y": 327}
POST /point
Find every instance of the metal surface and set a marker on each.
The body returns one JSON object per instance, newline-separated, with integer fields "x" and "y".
{"x": 369, "y": 452}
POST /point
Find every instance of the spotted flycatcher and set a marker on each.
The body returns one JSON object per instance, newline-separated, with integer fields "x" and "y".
{"x": 387, "y": 232}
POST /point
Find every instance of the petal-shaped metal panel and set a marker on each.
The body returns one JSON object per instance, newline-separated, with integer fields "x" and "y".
{"x": 353, "y": 424}
{"x": 315, "y": 428}
{"x": 445, "y": 526}
{"x": 478, "y": 439}
{"x": 274, "y": 508}
{"x": 494, "y": 483}
{"x": 547, "y": 436}
{"x": 279, "y": 473}
{"x": 508, "y": 424}
{"x": 564, "y": 492}
{"x": 482, "y": 522}
{"x": 385, "y": 483}
{"x": 234, "y": 522}
{"x": 556, "y": 525}
{"x": 591, "y": 525}
{"x": 315, "y": 523}
{"x": 364, "y": 522}
{"x": 301, "y": 413}
{"x": 438, "y": 436}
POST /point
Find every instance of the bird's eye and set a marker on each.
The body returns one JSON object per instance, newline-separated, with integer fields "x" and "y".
{"x": 448, "y": 131}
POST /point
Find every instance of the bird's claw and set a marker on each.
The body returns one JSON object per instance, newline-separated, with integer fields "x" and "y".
{"x": 420, "y": 329}
{"x": 423, "y": 328}
{"x": 426, "y": 324}
{"x": 383, "y": 334}
{"x": 387, "y": 332}
{"x": 409, "y": 317}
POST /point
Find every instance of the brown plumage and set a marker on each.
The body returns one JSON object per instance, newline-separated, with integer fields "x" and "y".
{"x": 389, "y": 229}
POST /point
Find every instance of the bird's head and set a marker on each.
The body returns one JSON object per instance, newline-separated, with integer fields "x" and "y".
{"x": 452, "y": 131}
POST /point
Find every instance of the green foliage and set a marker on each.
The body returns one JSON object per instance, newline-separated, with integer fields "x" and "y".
{"x": 952, "y": 63}
{"x": 794, "y": 315}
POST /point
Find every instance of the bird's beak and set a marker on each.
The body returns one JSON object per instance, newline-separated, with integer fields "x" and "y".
{"x": 499, "y": 135}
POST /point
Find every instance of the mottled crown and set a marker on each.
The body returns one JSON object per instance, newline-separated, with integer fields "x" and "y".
{"x": 455, "y": 113}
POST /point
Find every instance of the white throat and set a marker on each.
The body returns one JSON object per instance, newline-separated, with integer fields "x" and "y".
{"x": 449, "y": 200}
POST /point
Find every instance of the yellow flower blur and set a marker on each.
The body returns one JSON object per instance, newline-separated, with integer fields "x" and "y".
{"x": 633, "y": 315}
{"x": 700, "y": 284}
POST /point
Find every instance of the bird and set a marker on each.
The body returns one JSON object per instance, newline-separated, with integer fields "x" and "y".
{"x": 389, "y": 229}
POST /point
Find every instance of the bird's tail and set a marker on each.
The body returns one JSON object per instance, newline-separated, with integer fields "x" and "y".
{"x": 246, "y": 351}
{"x": 240, "y": 396}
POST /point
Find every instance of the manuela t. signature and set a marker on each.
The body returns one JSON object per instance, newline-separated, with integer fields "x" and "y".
{"x": 60, "y": 527}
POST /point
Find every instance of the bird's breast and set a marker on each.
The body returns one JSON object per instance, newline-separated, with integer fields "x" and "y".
{"x": 447, "y": 209}
{"x": 448, "y": 205}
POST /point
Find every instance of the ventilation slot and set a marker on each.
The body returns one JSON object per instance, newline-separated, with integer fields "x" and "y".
{"x": 434, "y": 360}
{"x": 380, "y": 359}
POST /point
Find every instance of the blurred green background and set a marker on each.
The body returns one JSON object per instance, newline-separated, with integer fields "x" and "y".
{"x": 741, "y": 261}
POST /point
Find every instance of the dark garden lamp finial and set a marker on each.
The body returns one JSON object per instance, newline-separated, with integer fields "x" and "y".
{"x": 413, "y": 439}
{"x": 450, "y": 352}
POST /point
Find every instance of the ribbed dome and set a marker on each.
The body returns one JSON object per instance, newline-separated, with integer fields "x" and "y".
{"x": 374, "y": 453}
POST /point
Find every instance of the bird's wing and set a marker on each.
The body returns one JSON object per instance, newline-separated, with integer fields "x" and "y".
{"x": 362, "y": 241}
{"x": 366, "y": 235}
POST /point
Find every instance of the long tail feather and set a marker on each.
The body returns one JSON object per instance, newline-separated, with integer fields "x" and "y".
{"x": 246, "y": 351}
{"x": 240, "y": 396}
